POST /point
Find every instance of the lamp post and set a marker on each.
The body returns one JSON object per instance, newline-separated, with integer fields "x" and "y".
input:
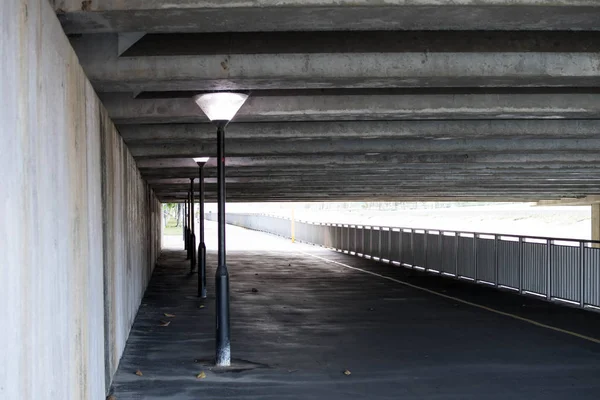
{"x": 184, "y": 222}
{"x": 188, "y": 229}
{"x": 220, "y": 108}
{"x": 193, "y": 234}
{"x": 201, "y": 245}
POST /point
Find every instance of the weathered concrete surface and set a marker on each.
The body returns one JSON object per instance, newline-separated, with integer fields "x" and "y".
{"x": 131, "y": 237}
{"x": 311, "y": 320}
{"x": 277, "y": 15}
{"x": 297, "y": 147}
{"x": 394, "y": 69}
{"x": 595, "y": 221}
{"x": 165, "y": 132}
{"x": 53, "y": 214}
{"x": 123, "y": 109}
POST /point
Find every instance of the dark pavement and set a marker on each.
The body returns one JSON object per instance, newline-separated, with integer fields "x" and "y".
{"x": 311, "y": 320}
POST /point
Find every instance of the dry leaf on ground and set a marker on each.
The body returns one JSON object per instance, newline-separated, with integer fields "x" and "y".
{"x": 165, "y": 323}
{"x": 139, "y": 373}
{"x": 346, "y": 372}
{"x": 169, "y": 315}
{"x": 201, "y": 375}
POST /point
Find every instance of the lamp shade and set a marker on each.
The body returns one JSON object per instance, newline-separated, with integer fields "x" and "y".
{"x": 201, "y": 159}
{"x": 221, "y": 106}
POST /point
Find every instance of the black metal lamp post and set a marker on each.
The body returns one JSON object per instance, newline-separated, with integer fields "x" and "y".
{"x": 184, "y": 222}
{"x": 188, "y": 229}
{"x": 201, "y": 245}
{"x": 220, "y": 108}
{"x": 193, "y": 233}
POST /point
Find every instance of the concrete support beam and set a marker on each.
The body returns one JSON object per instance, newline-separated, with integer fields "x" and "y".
{"x": 123, "y": 109}
{"x": 242, "y": 148}
{"x": 595, "y": 221}
{"x": 295, "y": 15}
{"x": 128, "y": 39}
{"x": 517, "y": 160}
{"x": 180, "y": 133}
{"x": 108, "y": 73}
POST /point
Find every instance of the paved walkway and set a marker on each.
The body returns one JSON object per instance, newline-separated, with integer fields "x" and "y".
{"x": 313, "y": 319}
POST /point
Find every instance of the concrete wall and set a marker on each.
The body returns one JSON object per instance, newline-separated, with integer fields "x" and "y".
{"x": 57, "y": 237}
{"x": 132, "y": 235}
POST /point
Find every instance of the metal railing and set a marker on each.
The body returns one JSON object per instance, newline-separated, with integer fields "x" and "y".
{"x": 563, "y": 270}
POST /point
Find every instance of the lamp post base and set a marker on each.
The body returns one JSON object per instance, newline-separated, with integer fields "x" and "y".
{"x": 192, "y": 251}
{"x": 223, "y": 353}
{"x": 202, "y": 270}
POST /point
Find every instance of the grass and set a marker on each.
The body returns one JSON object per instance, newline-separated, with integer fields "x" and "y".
{"x": 172, "y": 230}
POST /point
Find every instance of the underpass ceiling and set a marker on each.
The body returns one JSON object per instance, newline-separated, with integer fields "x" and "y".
{"x": 396, "y": 100}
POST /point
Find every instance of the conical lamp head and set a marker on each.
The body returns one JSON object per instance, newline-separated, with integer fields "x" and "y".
{"x": 221, "y": 106}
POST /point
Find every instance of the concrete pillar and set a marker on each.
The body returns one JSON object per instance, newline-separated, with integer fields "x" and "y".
{"x": 596, "y": 222}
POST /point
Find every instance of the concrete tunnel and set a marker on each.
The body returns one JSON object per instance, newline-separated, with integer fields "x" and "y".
{"x": 348, "y": 101}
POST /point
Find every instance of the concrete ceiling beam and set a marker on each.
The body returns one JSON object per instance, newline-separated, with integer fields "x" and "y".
{"x": 109, "y": 73}
{"x": 298, "y": 147}
{"x": 123, "y": 109}
{"x": 364, "y": 129}
{"x": 517, "y": 159}
{"x": 276, "y": 15}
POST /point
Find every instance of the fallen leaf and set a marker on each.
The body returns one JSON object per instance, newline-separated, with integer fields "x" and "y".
{"x": 165, "y": 323}
{"x": 201, "y": 306}
{"x": 169, "y": 315}
{"x": 139, "y": 373}
{"x": 254, "y": 290}
{"x": 346, "y": 372}
{"x": 201, "y": 375}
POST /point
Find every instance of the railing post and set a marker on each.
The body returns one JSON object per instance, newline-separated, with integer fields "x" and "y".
{"x": 456, "y": 248}
{"x": 389, "y": 246}
{"x": 425, "y": 234}
{"x": 582, "y": 274}
{"x": 371, "y": 243}
{"x": 412, "y": 248}
{"x": 521, "y": 265}
{"x": 441, "y": 250}
{"x": 475, "y": 263}
{"x": 348, "y": 241}
{"x": 548, "y": 269}
{"x": 379, "y": 244}
{"x": 496, "y": 260}
{"x": 400, "y": 234}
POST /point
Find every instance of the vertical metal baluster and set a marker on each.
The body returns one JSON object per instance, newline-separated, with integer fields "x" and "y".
{"x": 581, "y": 274}
{"x": 440, "y": 251}
{"x": 475, "y": 263}
{"x": 548, "y": 269}
{"x": 425, "y": 234}
{"x": 496, "y": 239}
{"x": 521, "y": 265}
{"x": 379, "y": 244}
{"x": 456, "y": 247}
{"x": 412, "y": 248}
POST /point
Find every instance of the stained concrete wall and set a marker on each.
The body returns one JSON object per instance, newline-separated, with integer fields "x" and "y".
{"x": 132, "y": 233}
{"x": 71, "y": 211}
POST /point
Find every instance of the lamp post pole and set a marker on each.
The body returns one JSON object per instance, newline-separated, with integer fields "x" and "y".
{"x": 184, "y": 223}
{"x": 201, "y": 245}
{"x": 188, "y": 229}
{"x": 192, "y": 223}
{"x": 223, "y": 356}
